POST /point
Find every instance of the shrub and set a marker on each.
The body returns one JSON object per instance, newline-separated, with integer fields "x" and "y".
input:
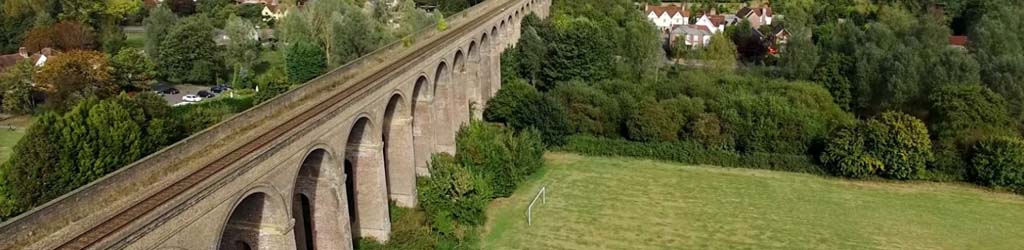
{"x": 901, "y": 142}
{"x": 706, "y": 128}
{"x": 654, "y": 122}
{"x": 846, "y": 155}
{"x": 959, "y": 116}
{"x": 999, "y": 162}
{"x": 453, "y": 196}
{"x": 893, "y": 145}
{"x": 504, "y": 159}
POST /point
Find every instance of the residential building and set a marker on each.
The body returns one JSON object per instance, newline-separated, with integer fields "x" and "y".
{"x": 757, "y": 16}
{"x": 714, "y": 23}
{"x": 38, "y": 59}
{"x": 667, "y": 16}
{"x": 692, "y": 35}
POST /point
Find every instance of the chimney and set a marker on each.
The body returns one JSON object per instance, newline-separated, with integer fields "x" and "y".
{"x": 714, "y": 11}
{"x": 23, "y": 52}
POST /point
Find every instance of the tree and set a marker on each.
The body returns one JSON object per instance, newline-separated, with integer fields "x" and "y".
{"x": 132, "y": 69}
{"x": 119, "y": 9}
{"x": 242, "y": 50}
{"x": 83, "y": 11}
{"x": 847, "y": 154}
{"x": 112, "y": 38}
{"x": 272, "y": 83}
{"x": 521, "y": 106}
{"x": 578, "y": 49}
{"x": 74, "y": 36}
{"x": 30, "y": 175}
{"x": 16, "y": 88}
{"x": 800, "y": 56}
{"x": 362, "y": 34}
{"x": 998, "y": 41}
{"x": 158, "y": 24}
{"x": 654, "y": 122}
{"x": 721, "y": 53}
{"x": 188, "y": 54}
{"x": 75, "y": 76}
{"x": 39, "y": 38}
{"x": 411, "y": 19}
{"x": 322, "y": 20}
{"x": 304, "y": 61}
{"x": 530, "y": 55}
{"x": 830, "y": 74}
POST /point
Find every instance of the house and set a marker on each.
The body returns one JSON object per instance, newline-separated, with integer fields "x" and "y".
{"x": 38, "y": 59}
{"x": 756, "y": 16}
{"x": 667, "y": 16}
{"x": 714, "y": 23}
{"x": 692, "y": 35}
{"x": 272, "y": 9}
{"x": 779, "y": 37}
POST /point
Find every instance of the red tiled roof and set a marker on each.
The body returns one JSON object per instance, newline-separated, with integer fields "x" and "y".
{"x": 670, "y": 9}
{"x": 10, "y": 60}
{"x": 958, "y": 40}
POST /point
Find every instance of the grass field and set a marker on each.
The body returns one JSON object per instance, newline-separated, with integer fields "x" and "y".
{"x": 11, "y": 130}
{"x": 620, "y": 203}
{"x": 135, "y": 39}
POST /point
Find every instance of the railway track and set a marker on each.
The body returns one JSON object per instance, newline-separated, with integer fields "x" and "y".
{"x": 124, "y": 218}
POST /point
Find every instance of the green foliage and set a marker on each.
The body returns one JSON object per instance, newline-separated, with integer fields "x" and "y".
{"x": 158, "y": 25}
{"x": 996, "y": 40}
{"x": 188, "y": 53}
{"x": 720, "y": 54}
{"x": 654, "y": 122}
{"x": 521, "y": 106}
{"x": 589, "y": 110}
{"x": 271, "y": 84}
{"x": 454, "y": 197}
{"x": 63, "y": 152}
{"x": 75, "y": 76}
{"x": 304, "y": 61}
{"x": 959, "y": 116}
{"x": 999, "y": 162}
{"x": 578, "y": 49}
{"x": 242, "y": 50}
{"x": 504, "y": 159}
{"x": 197, "y": 117}
{"x": 16, "y": 86}
{"x": 132, "y": 69}
{"x": 893, "y": 145}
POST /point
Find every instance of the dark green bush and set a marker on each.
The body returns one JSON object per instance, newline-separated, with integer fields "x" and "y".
{"x": 846, "y": 154}
{"x": 654, "y": 122}
{"x": 520, "y": 106}
{"x": 893, "y": 145}
{"x": 707, "y": 129}
{"x": 959, "y": 116}
{"x": 999, "y": 162}
{"x": 589, "y": 110}
{"x": 689, "y": 152}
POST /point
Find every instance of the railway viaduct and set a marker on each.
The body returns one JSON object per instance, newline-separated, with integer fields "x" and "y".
{"x": 314, "y": 168}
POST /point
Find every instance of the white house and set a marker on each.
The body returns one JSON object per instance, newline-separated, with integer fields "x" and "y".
{"x": 692, "y": 35}
{"x": 714, "y": 23}
{"x": 667, "y": 16}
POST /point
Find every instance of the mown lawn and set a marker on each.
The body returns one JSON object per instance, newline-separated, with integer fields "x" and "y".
{"x": 621, "y": 203}
{"x": 11, "y": 130}
{"x": 135, "y": 40}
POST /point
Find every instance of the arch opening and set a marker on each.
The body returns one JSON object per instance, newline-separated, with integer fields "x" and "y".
{"x": 364, "y": 160}
{"x": 422, "y": 140}
{"x": 399, "y": 152}
{"x": 252, "y": 224}
{"x": 444, "y": 134}
{"x": 319, "y": 221}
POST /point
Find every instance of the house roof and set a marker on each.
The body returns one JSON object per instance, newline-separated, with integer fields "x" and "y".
{"x": 10, "y": 60}
{"x": 671, "y": 10}
{"x": 692, "y": 29}
{"x": 746, "y": 11}
{"x": 958, "y": 40}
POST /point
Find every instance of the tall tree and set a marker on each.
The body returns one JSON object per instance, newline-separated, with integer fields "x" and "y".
{"x": 721, "y": 53}
{"x": 16, "y": 88}
{"x": 158, "y": 24}
{"x": 182, "y": 7}
{"x": 304, "y": 61}
{"x": 132, "y": 69}
{"x": 362, "y": 34}
{"x": 75, "y": 76}
{"x": 242, "y": 49}
{"x": 83, "y": 11}
{"x": 188, "y": 54}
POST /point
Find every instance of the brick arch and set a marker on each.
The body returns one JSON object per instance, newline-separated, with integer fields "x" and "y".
{"x": 423, "y": 143}
{"x": 321, "y": 216}
{"x": 257, "y": 220}
{"x": 399, "y": 151}
{"x": 364, "y": 170}
{"x": 442, "y": 105}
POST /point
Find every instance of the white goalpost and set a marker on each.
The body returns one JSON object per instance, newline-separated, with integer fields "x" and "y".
{"x": 543, "y": 199}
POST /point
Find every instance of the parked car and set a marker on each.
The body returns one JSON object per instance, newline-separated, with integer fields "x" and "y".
{"x": 205, "y": 94}
{"x": 191, "y": 98}
{"x": 220, "y": 88}
{"x": 182, "y": 104}
{"x": 170, "y": 91}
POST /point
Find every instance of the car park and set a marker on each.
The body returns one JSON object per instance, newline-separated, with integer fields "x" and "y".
{"x": 220, "y": 88}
